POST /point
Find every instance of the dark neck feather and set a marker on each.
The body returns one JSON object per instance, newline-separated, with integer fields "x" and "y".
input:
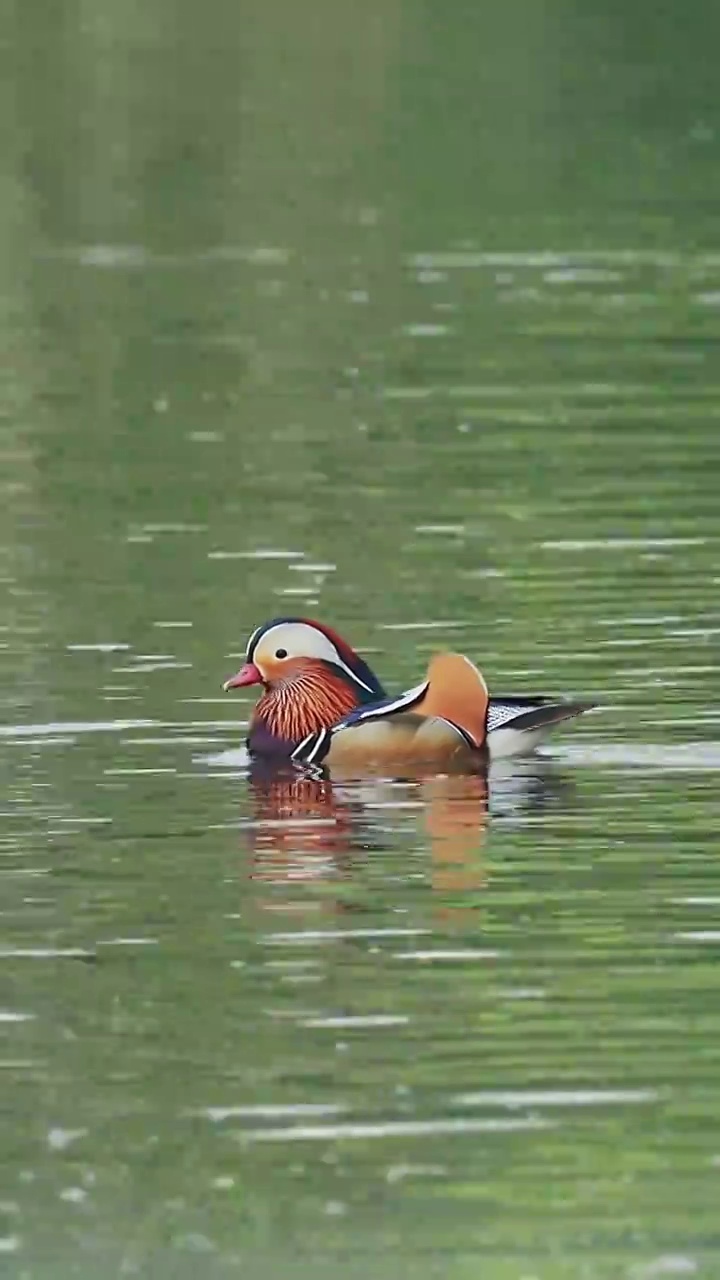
{"x": 306, "y": 702}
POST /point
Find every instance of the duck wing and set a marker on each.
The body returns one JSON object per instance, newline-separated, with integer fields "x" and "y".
{"x": 450, "y": 703}
{"x": 314, "y": 748}
{"x": 456, "y": 692}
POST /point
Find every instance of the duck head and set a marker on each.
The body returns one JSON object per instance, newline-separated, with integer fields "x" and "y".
{"x": 310, "y": 677}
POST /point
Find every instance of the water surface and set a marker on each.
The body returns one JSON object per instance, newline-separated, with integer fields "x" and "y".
{"x": 408, "y": 322}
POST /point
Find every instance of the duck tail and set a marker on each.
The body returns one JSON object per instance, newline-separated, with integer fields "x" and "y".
{"x": 545, "y": 714}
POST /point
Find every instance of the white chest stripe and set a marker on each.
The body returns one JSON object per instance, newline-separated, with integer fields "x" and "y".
{"x": 407, "y": 699}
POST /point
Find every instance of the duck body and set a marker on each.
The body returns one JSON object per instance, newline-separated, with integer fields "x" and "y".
{"x": 322, "y": 705}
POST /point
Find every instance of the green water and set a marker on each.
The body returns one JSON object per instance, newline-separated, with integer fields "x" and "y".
{"x": 404, "y": 317}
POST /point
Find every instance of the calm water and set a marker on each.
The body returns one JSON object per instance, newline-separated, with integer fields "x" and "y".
{"x": 407, "y": 319}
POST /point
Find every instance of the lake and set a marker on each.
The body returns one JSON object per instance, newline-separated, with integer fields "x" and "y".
{"x": 405, "y": 318}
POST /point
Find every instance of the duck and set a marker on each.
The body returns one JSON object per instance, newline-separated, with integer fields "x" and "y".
{"x": 322, "y": 706}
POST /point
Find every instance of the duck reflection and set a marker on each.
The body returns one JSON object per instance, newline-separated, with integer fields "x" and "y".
{"x": 304, "y": 827}
{"x": 455, "y": 812}
{"x": 318, "y": 828}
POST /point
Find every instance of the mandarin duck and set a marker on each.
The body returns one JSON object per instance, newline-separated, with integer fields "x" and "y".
{"x": 323, "y": 705}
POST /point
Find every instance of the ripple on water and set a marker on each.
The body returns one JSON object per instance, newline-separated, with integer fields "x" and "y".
{"x": 512, "y": 1098}
{"x": 689, "y": 757}
{"x": 365, "y": 1130}
{"x": 259, "y": 553}
{"x": 273, "y": 1111}
{"x": 45, "y": 953}
{"x": 74, "y": 727}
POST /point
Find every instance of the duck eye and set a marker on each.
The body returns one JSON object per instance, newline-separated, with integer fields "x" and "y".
{"x": 281, "y": 653}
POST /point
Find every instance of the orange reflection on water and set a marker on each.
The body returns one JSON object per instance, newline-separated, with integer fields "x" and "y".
{"x": 456, "y": 819}
{"x": 317, "y": 831}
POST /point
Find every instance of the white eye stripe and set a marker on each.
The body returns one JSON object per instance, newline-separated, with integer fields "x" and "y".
{"x": 352, "y": 674}
{"x": 252, "y": 640}
{"x": 300, "y": 640}
{"x": 258, "y": 638}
